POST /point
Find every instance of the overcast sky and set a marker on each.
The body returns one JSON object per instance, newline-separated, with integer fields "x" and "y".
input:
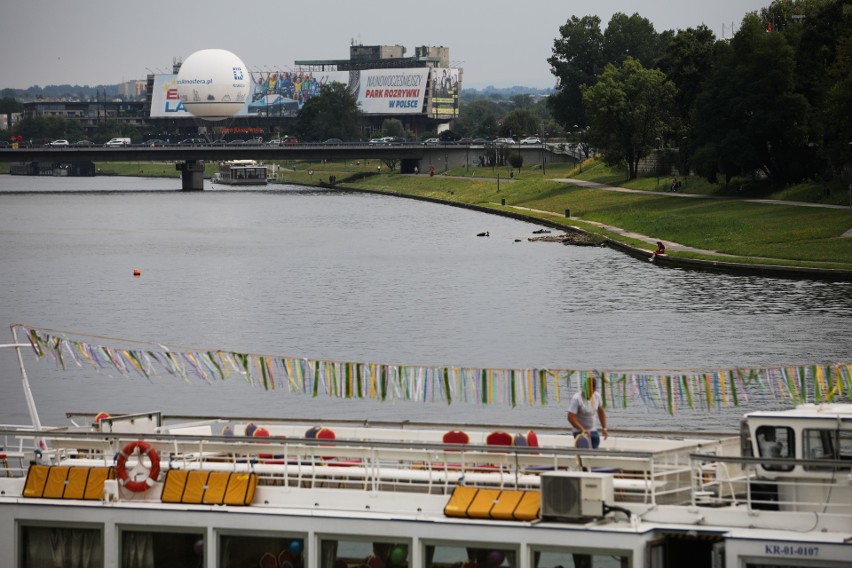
{"x": 497, "y": 42}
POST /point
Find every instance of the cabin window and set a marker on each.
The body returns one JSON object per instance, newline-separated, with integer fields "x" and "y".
{"x": 578, "y": 558}
{"x": 447, "y": 556}
{"x": 776, "y": 442}
{"x": 161, "y": 549}
{"x": 338, "y": 553}
{"x": 61, "y": 546}
{"x": 825, "y": 444}
{"x": 240, "y": 551}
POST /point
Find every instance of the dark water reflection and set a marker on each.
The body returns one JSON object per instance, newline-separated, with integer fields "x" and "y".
{"x": 349, "y": 276}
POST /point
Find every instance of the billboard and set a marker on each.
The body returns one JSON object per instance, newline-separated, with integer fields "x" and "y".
{"x": 444, "y": 93}
{"x": 378, "y": 91}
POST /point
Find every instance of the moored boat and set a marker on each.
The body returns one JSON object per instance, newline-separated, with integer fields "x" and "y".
{"x": 241, "y": 172}
{"x": 147, "y": 489}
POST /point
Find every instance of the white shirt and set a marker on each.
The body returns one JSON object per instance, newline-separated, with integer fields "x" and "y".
{"x": 585, "y": 410}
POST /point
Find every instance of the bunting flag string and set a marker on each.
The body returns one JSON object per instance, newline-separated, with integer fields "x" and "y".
{"x": 672, "y": 390}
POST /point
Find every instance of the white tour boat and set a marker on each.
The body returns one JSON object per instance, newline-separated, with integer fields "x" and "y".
{"x": 241, "y": 172}
{"x": 148, "y": 490}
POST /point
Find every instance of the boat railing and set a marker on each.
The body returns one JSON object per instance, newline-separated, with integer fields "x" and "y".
{"x": 720, "y": 481}
{"x": 373, "y": 465}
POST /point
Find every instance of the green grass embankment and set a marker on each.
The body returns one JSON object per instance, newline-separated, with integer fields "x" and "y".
{"x": 752, "y": 233}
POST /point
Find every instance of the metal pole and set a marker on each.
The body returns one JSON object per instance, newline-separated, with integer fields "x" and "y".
{"x": 28, "y": 394}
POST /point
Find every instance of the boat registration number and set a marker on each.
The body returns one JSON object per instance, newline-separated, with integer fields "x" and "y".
{"x": 791, "y": 550}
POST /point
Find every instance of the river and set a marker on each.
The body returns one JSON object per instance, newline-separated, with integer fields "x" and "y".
{"x": 362, "y": 277}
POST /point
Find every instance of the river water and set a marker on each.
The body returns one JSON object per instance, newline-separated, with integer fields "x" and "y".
{"x": 359, "y": 277}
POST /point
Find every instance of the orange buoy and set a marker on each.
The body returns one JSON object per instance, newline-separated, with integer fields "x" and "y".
{"x": 137, "y": 272}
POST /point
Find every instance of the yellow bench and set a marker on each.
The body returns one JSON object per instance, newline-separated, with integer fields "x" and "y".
{"x": 67, "y": 482}
{"x": 208, "y": 487}
{"x": 506, "y": 504}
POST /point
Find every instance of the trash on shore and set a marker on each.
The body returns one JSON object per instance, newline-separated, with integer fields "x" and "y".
{"x": 578, "y": 239}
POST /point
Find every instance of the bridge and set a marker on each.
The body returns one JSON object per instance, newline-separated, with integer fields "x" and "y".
{"x": 190, "y": 159}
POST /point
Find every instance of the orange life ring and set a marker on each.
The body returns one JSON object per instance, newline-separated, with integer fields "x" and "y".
{"x": 121, "y": 466}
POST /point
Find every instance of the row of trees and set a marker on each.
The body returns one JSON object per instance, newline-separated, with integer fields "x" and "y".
{"x": 774, "y": 99}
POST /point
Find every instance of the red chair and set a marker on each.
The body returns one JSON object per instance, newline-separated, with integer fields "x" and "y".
{"x": 532, "y": 439}
{"x": 499, "y": 438}
{"x": 456, "y": 437}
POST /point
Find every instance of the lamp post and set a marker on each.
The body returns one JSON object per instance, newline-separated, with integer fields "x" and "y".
{"x": 685, "y": 161}
{"x": 657, "y": 159}
{"x": 544, "y": 154}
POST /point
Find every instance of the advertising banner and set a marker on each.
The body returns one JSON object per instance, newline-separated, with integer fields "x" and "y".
{"x": 392, "y": 91}
{"x": 379, "y": 91}
{"x": 444, "y": 89}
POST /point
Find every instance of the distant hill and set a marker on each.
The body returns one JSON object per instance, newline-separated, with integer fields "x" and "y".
{"x": 491, "y": 90}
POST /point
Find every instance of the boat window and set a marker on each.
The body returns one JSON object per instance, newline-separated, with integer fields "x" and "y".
{"x": 338, "y": 553}
{"x": 825, "y": 444}
{"x": 163, "y": 549}
{"x": 447, "y": 556}
{"x": 61, "y": 546}
{"x": 237, "y": 551}
{"x": 776, "y": 442}
{"x": 577, "y": 558}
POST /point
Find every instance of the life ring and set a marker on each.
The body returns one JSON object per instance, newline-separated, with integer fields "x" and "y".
{"x": 121, "y": 466}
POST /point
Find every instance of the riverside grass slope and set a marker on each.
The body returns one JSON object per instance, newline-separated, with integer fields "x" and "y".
{"x": 724, "y": 226}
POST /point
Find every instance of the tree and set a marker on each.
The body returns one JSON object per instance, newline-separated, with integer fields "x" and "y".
{"x": 687, "y": 62}
{"x": 480, "y": 117}
{"x": 393, "y": 127}
{"x": 332, "y": 113}
{"x": 522, "y": 122}
{"x": 628, "y": 108}
{"x": 576, "y": 61}
{"x": 631, "y": 36}
{"x": 749, "y": 117}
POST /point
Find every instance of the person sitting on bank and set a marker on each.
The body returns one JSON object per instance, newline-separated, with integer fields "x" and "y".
{"x": 661, "y": 249}
{"x": 582, "y": 409}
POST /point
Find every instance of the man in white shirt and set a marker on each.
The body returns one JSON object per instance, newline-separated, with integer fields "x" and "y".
{"x": 582, "y": 408}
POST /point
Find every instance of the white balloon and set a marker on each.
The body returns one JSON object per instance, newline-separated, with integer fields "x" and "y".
{"x": 213, "y": 84}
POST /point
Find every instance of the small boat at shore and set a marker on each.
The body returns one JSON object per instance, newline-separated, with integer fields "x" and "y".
{"x": 241, "y": 172}
{"x": 150, "y": 490}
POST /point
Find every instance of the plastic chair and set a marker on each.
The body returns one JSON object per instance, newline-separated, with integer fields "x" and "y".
{"x": 582, "y": 442}
{"x": 520, "y": 440}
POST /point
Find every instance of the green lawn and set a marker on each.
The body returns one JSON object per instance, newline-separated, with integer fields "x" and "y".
{"x": 752, "y": 232}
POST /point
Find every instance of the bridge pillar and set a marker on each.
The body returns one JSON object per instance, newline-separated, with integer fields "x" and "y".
{"x": 191, "y": 174}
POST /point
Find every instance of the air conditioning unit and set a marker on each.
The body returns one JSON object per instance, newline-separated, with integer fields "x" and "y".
{"x": 574, "y": 494}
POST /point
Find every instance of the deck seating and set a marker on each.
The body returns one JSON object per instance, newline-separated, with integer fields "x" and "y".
{"x": 499, "y": 438}
{"x": 456, "y": 437}
{"x": 67, "y": 482}
{"x": 505, "y": 504}
{"x": 208, "y": 487}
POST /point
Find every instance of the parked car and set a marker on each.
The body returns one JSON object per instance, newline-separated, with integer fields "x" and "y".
{"x": 118, "y": 142}
{"x": 479, "y": 141}
{"x": 255, "y": 141}
{"x": 192, "y": 142}
{"x": 155, "y": 142}
{"x": 466, "y": 141}
{"x": 333, "y": 141}
{"x": 83, "y": 143}
{"x": 289, "y": 140}
{"x": 236, "y": 141}
{"x": 431, "y": 141}
{"x": 504, "y": 141}
{"x": 59, "y": 143}
{"x": 531, "y": 140}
